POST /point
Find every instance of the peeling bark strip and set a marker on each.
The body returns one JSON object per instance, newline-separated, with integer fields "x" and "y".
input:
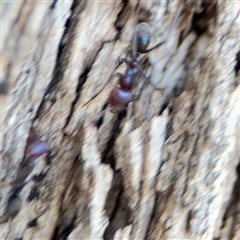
{"x": 167, "y": 168}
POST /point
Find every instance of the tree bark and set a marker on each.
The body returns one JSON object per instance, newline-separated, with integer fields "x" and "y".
{"x": 167, "y": 167}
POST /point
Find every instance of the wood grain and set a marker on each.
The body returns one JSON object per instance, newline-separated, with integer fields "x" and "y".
{"x": 167, "y": 168}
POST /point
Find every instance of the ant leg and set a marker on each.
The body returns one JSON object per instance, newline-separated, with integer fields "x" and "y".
{"x": 108, "y": 81}
{"x": 122, "y": 59}
{"x": 147, "y": 79}
{"x": 125, "y": 60}
{"x": 156, "y": 46}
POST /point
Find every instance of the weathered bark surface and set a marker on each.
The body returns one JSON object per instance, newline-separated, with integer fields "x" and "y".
{"x": 142, "y": 175}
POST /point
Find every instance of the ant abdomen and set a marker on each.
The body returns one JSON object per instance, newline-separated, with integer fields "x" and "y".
{"x": 119, "y": 98}
{"x": 143, "y": 37}
{"x": 35, "y": 147}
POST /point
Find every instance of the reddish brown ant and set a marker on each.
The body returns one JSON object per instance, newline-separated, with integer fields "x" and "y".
{"x": 121, "y": 96}
{"x": 35, "y": 147}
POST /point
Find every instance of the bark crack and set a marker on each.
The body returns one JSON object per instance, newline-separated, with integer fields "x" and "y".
{"x": 64, "y": 49}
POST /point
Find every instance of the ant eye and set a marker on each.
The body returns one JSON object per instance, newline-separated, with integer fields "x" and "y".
{"x": 143, "y": 37}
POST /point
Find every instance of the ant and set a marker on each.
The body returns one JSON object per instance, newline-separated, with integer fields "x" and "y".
{"x": 120, "y": 96}
{"x": 35, "y": 147}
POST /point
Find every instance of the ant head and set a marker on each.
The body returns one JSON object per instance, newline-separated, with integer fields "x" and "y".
{"x": 143, "y": 37}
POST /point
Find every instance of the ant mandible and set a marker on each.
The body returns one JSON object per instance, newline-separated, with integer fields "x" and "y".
{"x": 120, "y": 96}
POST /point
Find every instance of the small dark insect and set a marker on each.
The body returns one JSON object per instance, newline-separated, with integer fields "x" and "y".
{"x": 34, "y": 148}
{"x": 121, "y": 96}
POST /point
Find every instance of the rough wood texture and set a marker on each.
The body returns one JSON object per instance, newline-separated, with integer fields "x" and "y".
{"x": 167, "y": 168}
